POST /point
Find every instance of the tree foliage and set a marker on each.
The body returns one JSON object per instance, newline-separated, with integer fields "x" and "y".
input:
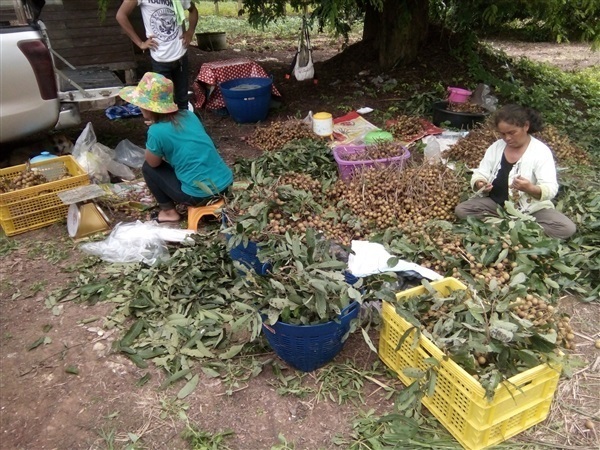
{"x": 559, "y": 20}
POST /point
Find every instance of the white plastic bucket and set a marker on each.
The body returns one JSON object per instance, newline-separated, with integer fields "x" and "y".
{"x": 322, "y": 123}
{"x": 458, "y": 95}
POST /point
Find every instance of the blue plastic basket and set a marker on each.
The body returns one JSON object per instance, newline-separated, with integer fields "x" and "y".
{"x": 248, "y": 257}
{"x": 309, "y": 347}
{"x": 350, "y": 278}
{"x": 247, "y": 99}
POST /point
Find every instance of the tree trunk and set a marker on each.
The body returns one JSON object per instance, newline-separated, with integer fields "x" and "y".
{"x": 398, "y": 31}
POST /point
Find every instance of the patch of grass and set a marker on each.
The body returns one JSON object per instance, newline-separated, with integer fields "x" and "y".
{"x": 234, "y": 374}
{"x": 7, "y": 245}
{"x": 53, "y": 252}
{"x": 38, "y": 286}
{"x": 225, "y": 9}
{"x": 568, "y": 100}
{"x": 284, "y": 444}
{"x": 282, "y": 34}
{"x": 109, "y": 437}
{"x": 339, "y": 383}
{"x": 204, "y": 440}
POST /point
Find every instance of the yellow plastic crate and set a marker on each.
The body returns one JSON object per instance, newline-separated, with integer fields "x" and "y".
{"x": 38, "y": 206}
{"x": 459, "y": 401}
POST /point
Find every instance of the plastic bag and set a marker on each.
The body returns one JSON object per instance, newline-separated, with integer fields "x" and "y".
{"x": 131, "y": 155}
{"x": 483, "y": 98}
{"x": 130, "y": 243}
{"x": 97, "y": 159}
{"x": 432, "y": 151}
{"x": 92, "y": 158}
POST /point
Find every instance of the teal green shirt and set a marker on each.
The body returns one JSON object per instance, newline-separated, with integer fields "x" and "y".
{"x": 192, "y": 154}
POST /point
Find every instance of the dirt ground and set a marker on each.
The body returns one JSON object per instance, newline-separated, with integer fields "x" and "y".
{"x": 74, "y": 392}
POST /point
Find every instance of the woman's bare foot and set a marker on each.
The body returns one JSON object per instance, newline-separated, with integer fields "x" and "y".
{"x": 168, "y": 215}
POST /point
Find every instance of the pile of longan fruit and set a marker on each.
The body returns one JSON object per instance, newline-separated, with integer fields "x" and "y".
{"x": 277, "y": 134}
{"x": 404, "y": 128}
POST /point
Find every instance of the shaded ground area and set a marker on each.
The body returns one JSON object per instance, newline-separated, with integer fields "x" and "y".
{"x": 71, "y": 390}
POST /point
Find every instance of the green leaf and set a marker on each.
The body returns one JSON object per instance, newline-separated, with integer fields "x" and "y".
{"x": 319, "y": 285}
{"x": 73, "y": 370}
{"x": 403, "y": 338}
{"x": 551, "y": 336}
{"x": 413, "y": 372}
{"x": 492, "y": 254}
{"x": 321, "y": 306}
{"x": 368, "y": 340}
{"x": 233, "y": 351}
{"x": 210, "y": 372}
{"x": 176, "y": 376}
{"x": 188, "y": 388}
{"x": 564, "y": 269}
{"x": 432, "y": 383}
{"x": 431, "y": 361}
{"x": 281, "y": 303}
{"x": 138, "y": 361}
{"x": 519, "y": 278}
{"x": 354, "y": 294}
{"x": 551, "y": 283}
{"x": 36, "y": 343}
{"x": 143, "y": 380}
{"x": 132, "y": 333}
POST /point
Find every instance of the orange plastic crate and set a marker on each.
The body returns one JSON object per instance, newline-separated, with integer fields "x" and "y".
{"x": 459, "y": 401}
{"x": 38, "y": 206}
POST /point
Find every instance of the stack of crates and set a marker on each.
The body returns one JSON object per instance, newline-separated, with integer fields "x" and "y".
{"x": 38, "y": 206}
{"x": 459, "y": 401}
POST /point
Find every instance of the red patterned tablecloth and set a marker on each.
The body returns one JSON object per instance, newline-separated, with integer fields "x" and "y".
{"x": 213, "y": 73}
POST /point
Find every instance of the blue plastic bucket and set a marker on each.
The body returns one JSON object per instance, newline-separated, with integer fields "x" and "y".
{"x": 247, "y": 99}
{"x": 309, "y": 347}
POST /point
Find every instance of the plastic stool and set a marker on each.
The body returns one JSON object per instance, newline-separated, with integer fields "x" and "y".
{"x": 195, "y": 213}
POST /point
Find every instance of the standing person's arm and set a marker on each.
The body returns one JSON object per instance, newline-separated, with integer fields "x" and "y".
{"x": 188, "y": 34}
{"x": 122, "y": 17}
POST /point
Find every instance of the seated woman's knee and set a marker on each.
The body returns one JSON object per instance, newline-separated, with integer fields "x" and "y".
{"x": 460, "y": 211}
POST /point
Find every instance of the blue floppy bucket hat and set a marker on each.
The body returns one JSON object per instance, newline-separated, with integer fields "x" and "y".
{"x": 154, "y": 92}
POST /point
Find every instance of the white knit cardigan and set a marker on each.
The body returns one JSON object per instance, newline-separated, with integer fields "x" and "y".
{"x": 536, "y": 165}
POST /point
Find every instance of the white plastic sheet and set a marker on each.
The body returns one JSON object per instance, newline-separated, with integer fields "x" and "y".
{"x": 370, "y": 258}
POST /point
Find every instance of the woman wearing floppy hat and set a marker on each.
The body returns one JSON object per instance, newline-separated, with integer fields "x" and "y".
{"x": 182, "y": 164}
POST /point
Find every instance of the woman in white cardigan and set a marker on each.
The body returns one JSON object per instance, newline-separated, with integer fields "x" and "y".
{"x": 520, "y": 168}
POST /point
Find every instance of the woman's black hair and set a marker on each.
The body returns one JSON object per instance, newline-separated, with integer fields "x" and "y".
{"x": 519, "y": 115}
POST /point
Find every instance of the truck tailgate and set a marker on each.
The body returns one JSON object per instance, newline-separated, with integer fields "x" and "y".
{"x": 95, "y": 84}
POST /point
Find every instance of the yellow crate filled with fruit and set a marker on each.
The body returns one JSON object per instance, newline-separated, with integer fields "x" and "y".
{"x": 28, "y": 193}
{"x": 477, "y": 415}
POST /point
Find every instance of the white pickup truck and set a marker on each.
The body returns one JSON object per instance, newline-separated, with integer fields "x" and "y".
{"x": 35, "y": 95}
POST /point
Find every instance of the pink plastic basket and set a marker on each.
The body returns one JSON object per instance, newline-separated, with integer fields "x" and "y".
{"x": 458, "y": 95}
{"x": 348, "y": 168}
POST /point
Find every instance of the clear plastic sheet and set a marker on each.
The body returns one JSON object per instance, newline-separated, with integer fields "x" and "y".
{"x": 130, "y": 243}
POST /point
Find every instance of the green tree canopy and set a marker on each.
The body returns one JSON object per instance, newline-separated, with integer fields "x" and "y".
{"x": 397, "y": 28}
